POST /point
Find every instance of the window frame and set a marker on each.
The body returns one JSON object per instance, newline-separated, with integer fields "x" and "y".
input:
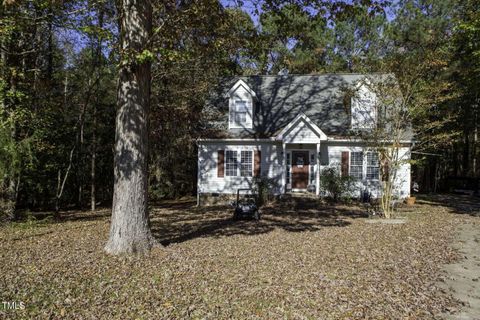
{"x": 363, "y": 108}
{"x": 249, "y": 164}
{"x": 236, "y": 112}
{"x": 235, "y": 168}
{"x": 228, "y": 169}
{"x": 351, "y": 165}
{"x": 368, "y": 165}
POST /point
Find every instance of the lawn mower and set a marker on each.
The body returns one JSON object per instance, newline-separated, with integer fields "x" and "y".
{"x": 245, "y": 206}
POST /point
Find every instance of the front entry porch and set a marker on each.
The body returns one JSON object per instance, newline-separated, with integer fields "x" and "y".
{"x": 301, "y": 168}
{"x": 301, "y": 149}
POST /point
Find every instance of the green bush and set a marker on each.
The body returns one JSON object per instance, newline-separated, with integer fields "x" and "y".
{"x": 262, "y": 187}
{"x": 336, "y": 186}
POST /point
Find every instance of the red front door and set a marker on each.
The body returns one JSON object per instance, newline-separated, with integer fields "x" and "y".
{"x": 300, "y": 169}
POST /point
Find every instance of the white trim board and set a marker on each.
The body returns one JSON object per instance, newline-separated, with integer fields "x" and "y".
{"x": 241, "y": 83}
{"x": 301, "y": 117}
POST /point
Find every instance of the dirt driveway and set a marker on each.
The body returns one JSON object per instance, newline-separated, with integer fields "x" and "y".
{"x": 462, "y": 278}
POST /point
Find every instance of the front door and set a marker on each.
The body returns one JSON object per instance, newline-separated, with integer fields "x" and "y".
{"x": 300, "y": 169}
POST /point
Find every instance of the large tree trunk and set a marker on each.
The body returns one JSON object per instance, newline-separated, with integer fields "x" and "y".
{"x": 130, "y": 226}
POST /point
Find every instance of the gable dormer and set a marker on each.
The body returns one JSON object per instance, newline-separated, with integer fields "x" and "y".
{"x": 363, "y": 107}
{"x": 240, "y": 106}
{"x": 301, "y": 130}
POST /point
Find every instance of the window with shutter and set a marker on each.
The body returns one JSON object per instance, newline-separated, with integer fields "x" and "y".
{"x": 345, "y": 163}
{"x": 220, "y": 163}
{"x": 258, "y": 163}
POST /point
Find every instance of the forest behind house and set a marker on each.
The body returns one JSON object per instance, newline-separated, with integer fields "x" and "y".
{"x": 59, "y": 64}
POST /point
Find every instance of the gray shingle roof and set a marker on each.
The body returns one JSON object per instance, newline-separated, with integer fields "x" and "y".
{"x": 281, "y": 98}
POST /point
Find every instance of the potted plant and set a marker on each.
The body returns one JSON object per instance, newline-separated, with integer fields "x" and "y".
{"x": 411, "y": 201}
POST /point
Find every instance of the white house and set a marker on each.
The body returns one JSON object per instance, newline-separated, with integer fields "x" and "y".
{"x": 289, "y": 128}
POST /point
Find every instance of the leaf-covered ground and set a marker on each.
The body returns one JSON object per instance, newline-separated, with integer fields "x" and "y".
{"x": 303, "y": 260}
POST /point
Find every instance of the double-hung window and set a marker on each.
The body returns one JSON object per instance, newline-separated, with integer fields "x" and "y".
{"x": 356, "y": 165}
{"x": 231, "y": 163}
{"x": 246, "y": 166}
{"x": 238, "y": 167}
{"x": 373, "y": 166}
{"x": 240, "y": 114}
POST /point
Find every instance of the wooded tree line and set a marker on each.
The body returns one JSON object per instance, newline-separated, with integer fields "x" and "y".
{"x": 59, "y": 63}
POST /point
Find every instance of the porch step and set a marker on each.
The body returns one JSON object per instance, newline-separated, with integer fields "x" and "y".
{"x": 300, "y": 200}
{"x": 302, "y": 195}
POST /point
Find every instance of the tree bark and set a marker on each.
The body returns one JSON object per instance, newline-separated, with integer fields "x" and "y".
{"x": 61, "y": 184}
{"x": 130, "y": 226}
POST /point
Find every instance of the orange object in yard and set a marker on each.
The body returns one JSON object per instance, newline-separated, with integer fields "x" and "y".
{"x": 411, "y": 201}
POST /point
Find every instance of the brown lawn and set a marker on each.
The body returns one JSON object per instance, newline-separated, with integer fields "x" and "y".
{"x": 303, "y": 260}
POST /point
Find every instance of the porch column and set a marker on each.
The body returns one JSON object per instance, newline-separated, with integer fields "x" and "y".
{"x": 284, "y": 168}
{"x": 317, "y": 187}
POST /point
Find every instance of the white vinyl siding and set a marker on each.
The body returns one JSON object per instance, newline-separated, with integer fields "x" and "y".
{"x": 331, "y": 155}
{"x": 364, "y": 113}
{"x": 272, "y": 164}
{"x": 301, "y": 133}
{"x": 209, "y": 182}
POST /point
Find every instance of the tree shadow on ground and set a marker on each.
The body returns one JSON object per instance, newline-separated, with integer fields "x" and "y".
{"x": 460, "y": 204}
{"x": 86, "y": 215}
{"x": 182, "y": 223}
{"x": 65, "y": 216}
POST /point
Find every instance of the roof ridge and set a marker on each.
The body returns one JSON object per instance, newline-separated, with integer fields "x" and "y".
{"x": 312, "y": 75}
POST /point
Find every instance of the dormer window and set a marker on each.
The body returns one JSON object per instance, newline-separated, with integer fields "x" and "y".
{"x": 363, "y": 108}
{"x": 241, "y": 106}
{"x": 363, "y": 114}
{"x": 241, "y": 111}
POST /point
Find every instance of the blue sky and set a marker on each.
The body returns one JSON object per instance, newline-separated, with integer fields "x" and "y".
{"x": 250, "y": 7}
{"x": 77, "y": 40}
